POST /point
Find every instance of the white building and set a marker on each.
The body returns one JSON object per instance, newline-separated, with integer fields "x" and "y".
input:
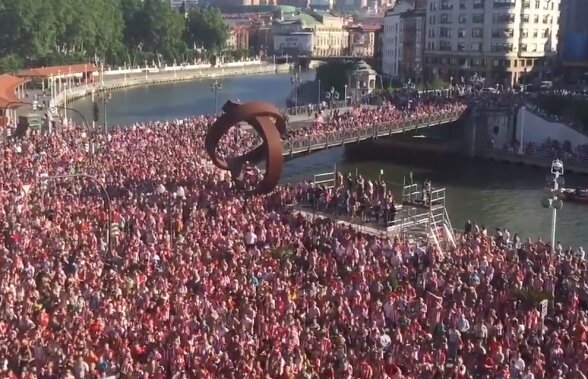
{"x": 295, "y": 43}
{"x": 498, "y": 39}
{"x": 393, "y": 38}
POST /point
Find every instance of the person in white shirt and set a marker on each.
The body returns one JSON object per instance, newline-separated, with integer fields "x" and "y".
{"x": 528, "y": 374}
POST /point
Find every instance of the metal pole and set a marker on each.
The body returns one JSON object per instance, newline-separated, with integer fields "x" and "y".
{"x": 554, "y": 212}
{"x": 318, "y": 101}
{"x": 106, "y": 198}
{"x": 522, "y": 148}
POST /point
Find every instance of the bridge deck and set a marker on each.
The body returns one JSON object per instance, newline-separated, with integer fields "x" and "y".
{"x": 315, "y": 143}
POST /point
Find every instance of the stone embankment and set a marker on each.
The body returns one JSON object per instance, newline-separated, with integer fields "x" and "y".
{"x": 118, "y": 79}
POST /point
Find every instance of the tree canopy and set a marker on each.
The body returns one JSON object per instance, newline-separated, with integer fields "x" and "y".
{"x": 47, "y": 32}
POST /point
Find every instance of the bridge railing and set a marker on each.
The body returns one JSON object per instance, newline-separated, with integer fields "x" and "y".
{"x": 303, "y": 109}
{"x": 365, "y": 131}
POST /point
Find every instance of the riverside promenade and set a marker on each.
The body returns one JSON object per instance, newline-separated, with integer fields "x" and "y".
{"x": 126, "y": 78}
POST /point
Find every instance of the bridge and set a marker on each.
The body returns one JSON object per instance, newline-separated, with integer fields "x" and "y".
{"x": 304, "y": 145}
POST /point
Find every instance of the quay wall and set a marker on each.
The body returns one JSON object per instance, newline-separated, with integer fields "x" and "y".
{"x": 536, "y": 129}
{"x": 465, "y": 138}
{"x": 119, "y": 79}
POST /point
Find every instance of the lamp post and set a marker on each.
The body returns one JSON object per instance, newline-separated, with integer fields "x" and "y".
{"x": 332, "y": 96}
{"x": 552, "y": 199}
{"x": 107, "y": 203}
{"x": 180, "y": 192}
{"x": 105, "y": 99}
{"x": 295, "y": 83}
{"x": 216, "y": 87}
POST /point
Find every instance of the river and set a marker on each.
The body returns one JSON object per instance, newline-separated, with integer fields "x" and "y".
{"x": 492, "y": 194}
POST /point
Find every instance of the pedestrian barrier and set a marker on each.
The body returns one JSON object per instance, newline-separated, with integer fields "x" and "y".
{"x": 308, "y": 144}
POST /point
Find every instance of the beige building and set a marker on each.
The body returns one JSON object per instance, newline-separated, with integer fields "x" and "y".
{"x": 362, "y": 40}
{"x": 500, "y": 40}
{"x": 327, "y": 34}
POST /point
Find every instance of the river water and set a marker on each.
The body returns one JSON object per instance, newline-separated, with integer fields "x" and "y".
{"x": 492, "y": 194}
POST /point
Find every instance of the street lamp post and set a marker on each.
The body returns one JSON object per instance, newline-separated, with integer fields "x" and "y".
{"x": 552, "y": 200}
{"x": 332, "y": 96}
{"x": 108, "y": 204}
{"x": 180, "y": 192}
{"x": 216, "y": 87}
{"x": 105, "y": 99}
{"x": 296, "y": 83}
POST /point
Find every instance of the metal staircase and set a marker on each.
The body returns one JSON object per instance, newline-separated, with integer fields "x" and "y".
{"x": 425, "y": 214}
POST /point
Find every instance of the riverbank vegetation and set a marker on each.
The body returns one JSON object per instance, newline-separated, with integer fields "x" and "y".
{"x": 51, "y": 32}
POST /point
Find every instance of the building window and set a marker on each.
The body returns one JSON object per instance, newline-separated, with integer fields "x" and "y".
{"x": 502, "y": 33}
{"x": 477, "y": 33}
{"x": 546, "y": 19}
{"x": 461, "y": 33}
{"x": 526, "y": 3}
{"x": 476, "y": 46}
{"x": 478, "y": 18}
{"x": 462, "y": 19}
{"x": 445, "y": 18}
{"x": 501, "y": 47}
{"x": 446, "y": 4}
{"x": 535, "y": 33}
{"x": 444, "y": 45}
{"x": 500, "y": 18}
{"x": 504, "y": 3}
{"x": 537, "y": 4}
{"x": 525, "y": 33}
{"x": 445, "y": 32}
{"x": 462, "y": 4}
{"x": 461, "y": 46}
{"x": 479, "y": 4}
{"x": 536, "y": 19}
{"x": 525, "y": 18}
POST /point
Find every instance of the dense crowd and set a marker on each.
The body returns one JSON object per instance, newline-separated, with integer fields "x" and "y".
{"x": 202, "y": 280}
{"x": 351, "y": 196}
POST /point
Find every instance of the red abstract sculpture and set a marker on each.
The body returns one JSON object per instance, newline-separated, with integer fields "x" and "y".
{"x": 259, "y": 116}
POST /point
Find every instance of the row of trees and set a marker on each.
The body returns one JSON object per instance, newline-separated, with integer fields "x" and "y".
{"x": 47, "y": 32}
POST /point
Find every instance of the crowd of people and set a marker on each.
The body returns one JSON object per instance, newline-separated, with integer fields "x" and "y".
{"x": 351, "y": 196}
{"x": 181, "y": 274}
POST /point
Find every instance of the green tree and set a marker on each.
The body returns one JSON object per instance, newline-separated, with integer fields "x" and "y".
{"x": 334, "y": 74}
{"x": 206, "y": 27}
{"x": 164, "y": 28}
{"x": 10, "y": 63}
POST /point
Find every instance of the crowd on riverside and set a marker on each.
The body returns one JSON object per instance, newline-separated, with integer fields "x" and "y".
{"x": 202, "y": 280}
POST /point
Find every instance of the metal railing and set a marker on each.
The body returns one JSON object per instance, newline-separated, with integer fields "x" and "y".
{"x": 363, "y": 132}
{"x": 304, "y": 109}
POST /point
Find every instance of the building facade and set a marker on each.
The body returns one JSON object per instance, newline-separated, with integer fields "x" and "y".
{"x": 573, "y": 38}
{"x": 393, "y": 39}
{"x": 362, "y": 40}
{"x": 328, "y": 35}
{"x": 238, "y": 38}
{"x": 294, "y": 44}
{"x": 501, "y": 40}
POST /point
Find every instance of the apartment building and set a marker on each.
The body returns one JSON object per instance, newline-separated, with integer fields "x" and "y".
{"x": 573, "y": 38}
{"x": 362, "y": 39}
{"x": 392, "y": 36}
{"x": 403, "y": 39}
{"x": 501, "y": 40}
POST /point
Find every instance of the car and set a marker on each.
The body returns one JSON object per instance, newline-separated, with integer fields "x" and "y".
{"x": 546, "y": 84}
